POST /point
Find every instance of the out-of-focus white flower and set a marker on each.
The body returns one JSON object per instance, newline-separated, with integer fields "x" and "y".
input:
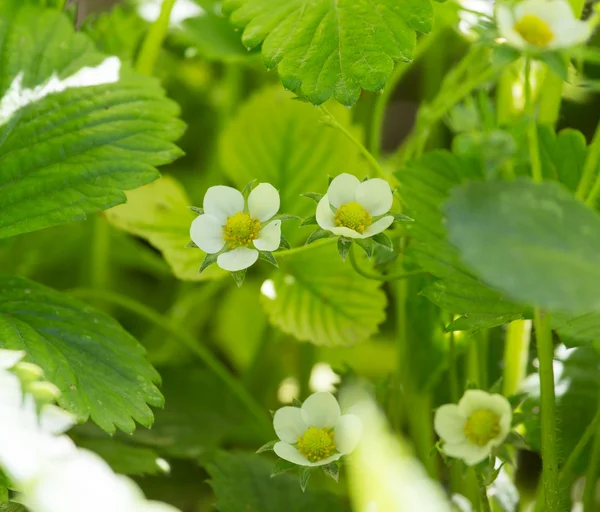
{"x": 181, "y": 11}
{"x": 469, "y": 17}
{"x": 317, "y": 433}
{"x": 356, "y": 205}
{"x": 227, "y": 224}
{"x": 474, "y": 427}
{"x": 383, "y": 474}
{"x": 538, "y": 25}
{"x": 83, "y": 481}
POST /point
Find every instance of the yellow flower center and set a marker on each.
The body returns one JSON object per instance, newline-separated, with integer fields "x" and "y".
{"x": 482, "y": 426}
{"x": 353, "y": 216}
{"x": 240, "y": 229}
{"x": 316, "y": 444}
{"x": 534, "y": 30}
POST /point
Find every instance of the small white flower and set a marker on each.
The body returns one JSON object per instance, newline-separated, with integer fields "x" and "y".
{"x": 471, "y": 429}
{"x": 317, "y": 433}
{"x": 227, "y": 224}
{"x": 356, "y": 204}
{"x": 538, "y": 25}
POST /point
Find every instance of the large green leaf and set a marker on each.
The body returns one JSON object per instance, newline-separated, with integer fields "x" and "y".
{"x": 159, "y": 213}
{"x": 425, "y": 184}
{"x": 100, "y": 369}
{"x": 318, "y": 298}
{"x": 325, "y": 48}
{"x": 72, "y": 148}
{"x": 535, "y": 242}
{"x": 242, "y": 481}
{"x": 283, "y": 142}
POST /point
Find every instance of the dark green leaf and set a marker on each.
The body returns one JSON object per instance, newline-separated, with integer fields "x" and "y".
{"x": 535, "y": 242}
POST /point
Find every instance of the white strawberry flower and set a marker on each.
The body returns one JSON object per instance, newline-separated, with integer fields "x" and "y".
{"x": 317, "y": 433}
{"x": 234, "y": 232}
{"x": 538, "y": 25}
{"x": 473, "y": 428}
{"x": 350, "y": 207}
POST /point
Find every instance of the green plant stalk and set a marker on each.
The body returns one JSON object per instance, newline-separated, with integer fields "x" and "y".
{"x": 545, "y": 348}
{"x": 590, "y": 167}
{"x": 420, "y": 421}
{"x": 516, "y": 355}
{"x": 154, "y": 40}
{"x": 303, "y": 248}
{"x": 532, "y": 134}
{"x": 379, "y": 277}
{"x": 205, "y": 355}
{"x": 591, "y": 477}
{"x": 484, "y": 502}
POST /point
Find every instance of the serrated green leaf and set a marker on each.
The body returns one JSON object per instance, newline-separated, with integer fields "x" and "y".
{"x": 425, "y": 186}
{"x": 534, "y": 241}
{"x": 243, "y": 482}
{"x": 319, "y": 299}
{"x": 73, "y": 152}
{"x": 159, "y": 213}
{"x": 323, "y": 48}
{"x": 84, "y": 352}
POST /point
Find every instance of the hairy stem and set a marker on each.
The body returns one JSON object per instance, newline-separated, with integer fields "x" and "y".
{"x": 484, "y": 502}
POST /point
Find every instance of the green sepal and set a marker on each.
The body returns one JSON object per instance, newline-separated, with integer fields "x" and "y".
{"x": 344, "y": 245}
{"x": 383, "y": 240}
{"x": 208, "y": 260}
{"x": 239, "y": 277}
{"x": 304, "y": 475}
{"x": 317, "y": 235}
{"x": 268, "y": 257}
{"x": 281, "y": 466}
{"x": 267, "y": 447}
{"x": 296, "y": 402}
{"x": 398, "y": 217}
{"x": 332, "y": 471}
{"x": 248, "y": 188}
{"x": 197, "y": 209}
{"x": 557, "y": 63}
{"x": 192, "y": 245}
{"x": 284, "y": 244}
{"x": 490, "y": 476}
{"x": 504, "y": 55}
{"x": 283, "y": 217}
{"x": 330, "y": 178}
{"x": 315, "y": 196}
{"x": 309, "y": 221}
{"x": 367, "y": 245}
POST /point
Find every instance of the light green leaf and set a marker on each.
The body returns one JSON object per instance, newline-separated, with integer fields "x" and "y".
{"x": 535, "y": 242}
{"x": 318, "y": 298}
{"x": 563, "y": 155}
{"x": 283, "y": 142}
{"x": 73, "y": 152}
{"x": 159, "y": 213}
{"x": 323, "y": 48}
{"x": 243, "y": 481}
{"x": 100, "y": 369}
{"x": 425, "y": 186}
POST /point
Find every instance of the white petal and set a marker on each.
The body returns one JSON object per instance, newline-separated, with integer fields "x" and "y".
{"x": 207, "y": 233}
{"x": 222, "y": 202}
{"x": 378, "y": 226}
{"x": 288, "y": 452}
{"x": 449, "y": 424}
{"x": 324, "y": 215}
{"x": 11, "y": 393}
{"x": 375, "y": 196}
{"x": 56, "y": 420}
{"x": 474, "y": 400}
{"x": 344, "y": 231}
{"x": 321, "y": 410}
{"x": 470, "y": 453}
{"x": 289, "y": 424}
{"x": 263, "y": 202}
{"x": 505, "y": 19}
{"x": 348, "y": 432}
{"x": 501, "y": 406}
{"x": 328, "y": 460}
{"x": 269, "y": 237}
{"x": 9, "y": 358}
{"x": 570, "y": 33}
{"x": 238, "y": 259}
{"x": 342, "y": 189}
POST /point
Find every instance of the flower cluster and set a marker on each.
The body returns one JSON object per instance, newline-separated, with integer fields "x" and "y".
{"x": 49, "y": 473}
{"x": 473, "y": 428}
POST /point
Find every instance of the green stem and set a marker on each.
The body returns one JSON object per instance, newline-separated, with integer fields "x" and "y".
{"x": 545, "y": 350}
{"x": 484, "y": 501}
{"x": 380, "y": 277}
{"x": 516, "y": 355}
{"x": 452, "y": 376}
{"x": 199, "y": 350}
{"x": 591, "y": 477}
{"x": 532, "y": 134}
{"x": 154, "y": 40}
{"x": 365, "y": 152}
{"x": 589, "y": 169}
{"x": 304, "y": 248}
